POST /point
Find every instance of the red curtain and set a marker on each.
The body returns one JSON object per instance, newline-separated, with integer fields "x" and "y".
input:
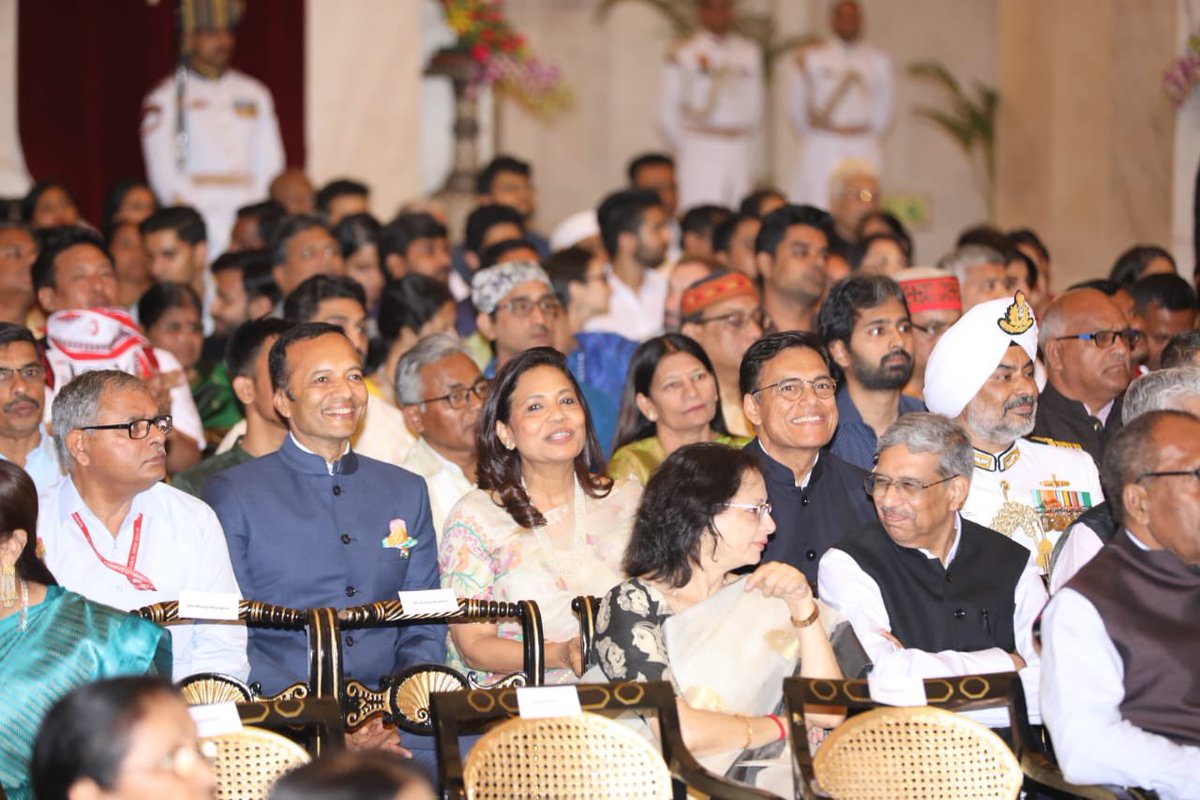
{"x": 84, "y": 66}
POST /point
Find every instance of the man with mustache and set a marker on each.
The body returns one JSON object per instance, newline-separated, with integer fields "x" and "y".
{"x": 23, "y": 437}
{"x": 980, "y": 373}
{"x": 1087, "y": 344}
{"x": 865, "y": 324}
{"x": 929, "y": 593}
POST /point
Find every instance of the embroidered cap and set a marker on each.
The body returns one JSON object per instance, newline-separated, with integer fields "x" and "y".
{"x": 720, "y": 285}
{"x": 929, "y": 289}
{"x": 970, "y": 349}
{"x": 490, "y": 285}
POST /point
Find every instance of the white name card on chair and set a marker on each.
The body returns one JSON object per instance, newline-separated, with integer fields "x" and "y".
{"x": 429, "y": 601}
{"x": 208, "y": 605}
{"x": 215, "y": 719}
{"x": 540, "y": 702}
{"x": 897, "y": 690}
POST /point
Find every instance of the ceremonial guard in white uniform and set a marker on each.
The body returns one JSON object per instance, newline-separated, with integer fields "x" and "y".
{"x": 711, "y": 106}
{"x": 981, "y": 372}
{"x": 839, "y": 104}
{"x": 231, "y": 148}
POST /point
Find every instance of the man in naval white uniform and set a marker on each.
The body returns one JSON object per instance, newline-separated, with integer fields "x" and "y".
{"x": 233, "y": 147}
{"x": 712, "y": 104}
{"x": 981, "y": 373}
{"x": 839, "y": 104}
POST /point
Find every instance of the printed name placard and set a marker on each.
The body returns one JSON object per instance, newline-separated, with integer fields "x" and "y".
{"x": 897, "y": 690}
{"x": 208, "y": 605}
{"x": 215, "y": 719}
{"x": 539, "y": 702}
{"x": 429, "y": 601}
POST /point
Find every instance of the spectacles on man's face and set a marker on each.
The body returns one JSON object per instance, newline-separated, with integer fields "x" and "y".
{"x": 1191, "y": 473}
{"x": 736, "y": 319}
{"x": 521, "y": 307}
{"x": 760, "y": 509}
{"x": 908, "y": 488}
{"x": 1106, "y": 339}
{"x": 32, "y": 373}
{"x": 461, "y": 396}
{"x": 138, "y": 428}
{"x": 793, "y": 388}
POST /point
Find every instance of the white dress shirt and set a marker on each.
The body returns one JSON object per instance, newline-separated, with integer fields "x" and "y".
{"x": 845, "y": 586}
{"x": 182, "y": 547}
{"x": 636, "y": 315}
{"x": 445, "y": 479}
{"x": 1081, "y": 704}
{"x": 42, "y": 462}
{"x": 1081, "y": 546}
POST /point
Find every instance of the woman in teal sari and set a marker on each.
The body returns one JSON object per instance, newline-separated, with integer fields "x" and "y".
{"x": 52, "y": 640}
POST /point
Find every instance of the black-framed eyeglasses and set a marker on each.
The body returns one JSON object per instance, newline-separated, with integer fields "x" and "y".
{"x": 793, "y": 388}
{"x": 138, "y": 428}
{"x": 760, "y": 509}
{"x": 876, "y": 484}
{"x": 931, "y": 330}
{"x": 523, "y": 306}
{"x": 1106, "y": 339}
{"x": 461, "y": 396}
{"x": 34, "y": 373}
{"x": 1191, "y": 473}
{"x": 735, "y": 319}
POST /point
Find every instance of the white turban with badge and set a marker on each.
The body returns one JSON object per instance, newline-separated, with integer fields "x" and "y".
{"x": 971, "y": 349}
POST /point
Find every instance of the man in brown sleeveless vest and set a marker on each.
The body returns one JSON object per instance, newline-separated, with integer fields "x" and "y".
{"x": 1120, "y": 683}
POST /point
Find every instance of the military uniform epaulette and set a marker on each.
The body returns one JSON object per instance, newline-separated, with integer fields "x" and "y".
{"x": 1055, "y": 442}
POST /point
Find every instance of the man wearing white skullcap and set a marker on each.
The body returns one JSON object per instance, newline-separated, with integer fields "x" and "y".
{"x": 981, "y": 373}
{"x": 578, "y": 230}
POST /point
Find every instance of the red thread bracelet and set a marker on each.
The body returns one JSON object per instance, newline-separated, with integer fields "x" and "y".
{"x": 782, "y": 730}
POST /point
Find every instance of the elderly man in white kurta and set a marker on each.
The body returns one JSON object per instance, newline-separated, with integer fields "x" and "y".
{"x": 839, "y": 103}
{"x": 711, "y": 106}
{"x": 981, "y": 373}
{"x": 116, "y": 534}
{"x": 233, "y": 147}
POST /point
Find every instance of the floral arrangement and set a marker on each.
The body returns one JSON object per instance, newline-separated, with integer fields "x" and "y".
{"x": 1183, "y": 74}
{"x": 501, "y": 57}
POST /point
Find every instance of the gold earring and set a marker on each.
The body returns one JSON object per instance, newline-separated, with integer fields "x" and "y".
{"x": 8, "y": 585}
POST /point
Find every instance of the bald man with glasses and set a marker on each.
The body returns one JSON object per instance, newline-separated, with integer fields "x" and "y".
{"x": 118, "y": 535}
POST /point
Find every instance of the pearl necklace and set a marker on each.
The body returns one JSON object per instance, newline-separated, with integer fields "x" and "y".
{"x": 566, "y": 567}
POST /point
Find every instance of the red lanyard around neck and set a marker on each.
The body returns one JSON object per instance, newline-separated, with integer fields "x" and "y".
{"x": 139, "y": 581}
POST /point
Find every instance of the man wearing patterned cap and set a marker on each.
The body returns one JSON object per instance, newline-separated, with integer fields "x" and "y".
{"x": 934, "y": 304}
{"x": 519, "y": 310}
{"x": 722, "y": 313}
{"x": 231, "y": 147}
{"x": 981, "y": 373}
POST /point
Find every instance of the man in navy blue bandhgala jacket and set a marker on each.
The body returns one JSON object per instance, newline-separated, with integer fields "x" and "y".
{"x": 316, "y": 525}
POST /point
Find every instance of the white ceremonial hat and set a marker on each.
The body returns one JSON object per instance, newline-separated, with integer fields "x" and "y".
{"x": 971, "y": 349}
{"x": 573, "y": 230}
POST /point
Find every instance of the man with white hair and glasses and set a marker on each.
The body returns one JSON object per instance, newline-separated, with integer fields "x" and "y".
{"x": 118, "y": 535}
{"x": 929, "y": 593}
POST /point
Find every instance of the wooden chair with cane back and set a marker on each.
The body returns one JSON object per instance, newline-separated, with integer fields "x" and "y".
{"x": 403, "y": 699}
{"x": 212, "y": 687}
{"x": 313, "y": 722}
{"x": 247, "y": 763}
{"x": 584, "y": 756}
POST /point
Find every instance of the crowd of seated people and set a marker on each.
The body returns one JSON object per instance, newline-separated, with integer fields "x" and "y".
{"x": 763, "y": 416}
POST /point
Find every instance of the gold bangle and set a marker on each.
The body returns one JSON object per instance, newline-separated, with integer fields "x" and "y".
{"x": 804, "y": 623}
{"x": 749, "y": 731}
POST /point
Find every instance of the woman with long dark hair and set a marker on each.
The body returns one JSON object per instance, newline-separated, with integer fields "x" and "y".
{"x": 671, "y": 399}
{"x": 544, "y": 524}
{"x": 52, "y": 640}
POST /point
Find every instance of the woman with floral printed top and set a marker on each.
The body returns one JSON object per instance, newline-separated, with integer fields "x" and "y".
{"x": 704, "y": 514}
{"x": 544, "y": 524}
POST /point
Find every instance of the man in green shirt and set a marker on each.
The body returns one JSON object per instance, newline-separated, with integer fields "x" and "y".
{"x": 246, "y": 360}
